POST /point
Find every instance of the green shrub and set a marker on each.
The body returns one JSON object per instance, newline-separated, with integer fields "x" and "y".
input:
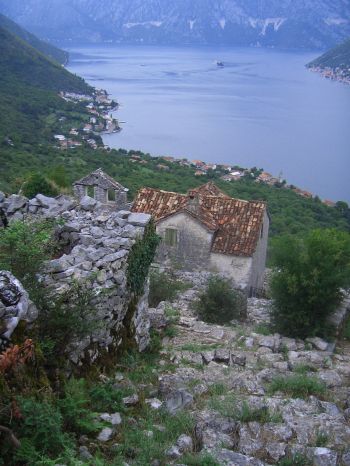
{"x": 220, "y": 303}
{"x": 298, "y": 386}
{"x": 64, "y": 318}
{"x": 105, "y": 397}
{"x": 41, "y": 431}
{"x": 263, "y": 329}
{"x": 140, "y": 259}
{"x": 346, "y": 330}
{"x": 295, "y": 460}
{"x": 24, "y": 246}
{"x": 74, "y": 407}
{"x": 261, "y": 415}
{"x": 307, "y": 281}
{"x": 164, "y": 288}
{"x": 200, "y": 460}
{"x": 38, "y": 184}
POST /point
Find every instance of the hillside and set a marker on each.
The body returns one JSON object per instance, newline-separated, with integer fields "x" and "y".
{"x": 338, "y": 57}
{"x": 276, "y": 23}
{"x": 29, "y": 84}
{"x": 289, "y": 212}
{"x": 47, "y": 49}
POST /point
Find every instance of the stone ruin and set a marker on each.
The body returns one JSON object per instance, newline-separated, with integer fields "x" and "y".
{"x": 96, "y": 241}
{"x": 103, "y": 188}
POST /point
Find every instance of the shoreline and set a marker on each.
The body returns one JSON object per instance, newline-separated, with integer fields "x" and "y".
{"x": 334, "y": 74}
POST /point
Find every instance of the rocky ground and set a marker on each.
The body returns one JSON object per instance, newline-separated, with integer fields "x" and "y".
{"x": 230, "y": 378}
{"x": 254, "y": 398}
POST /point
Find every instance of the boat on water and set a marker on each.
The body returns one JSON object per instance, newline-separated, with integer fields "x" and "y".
{"x": 220, "y": 64}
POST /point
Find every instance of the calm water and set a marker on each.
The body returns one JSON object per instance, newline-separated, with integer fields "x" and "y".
{"x": 262, "y": 109}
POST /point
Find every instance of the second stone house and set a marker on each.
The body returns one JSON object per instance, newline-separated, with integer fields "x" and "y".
{"x": 207, "y": 230}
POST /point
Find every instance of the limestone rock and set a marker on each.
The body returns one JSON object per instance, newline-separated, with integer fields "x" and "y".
{"x": 114, "y": 419}
{"x": 231, "y": 458}
{"x": 88, "y": 203}
{"x": 178, "y": 400}
{"x": 318, "y": 343}
{"x": 15, "y": 203}
{"x": 105, "y": 435}
{"x": 15, "y": 304}
{"x": 140, "y": 220}
{"x": 131, "y": 400}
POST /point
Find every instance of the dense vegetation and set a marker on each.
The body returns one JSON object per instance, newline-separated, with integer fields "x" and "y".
{"x": 306, "y": 285}
{"x": 338, "y": 57}
{"x": 44, "y": 47}
{"x": 29, "y": 84}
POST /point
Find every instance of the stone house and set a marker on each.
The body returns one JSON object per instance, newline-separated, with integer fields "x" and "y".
{"x": 101, "y": 187}
{"x": 207, "y": 230}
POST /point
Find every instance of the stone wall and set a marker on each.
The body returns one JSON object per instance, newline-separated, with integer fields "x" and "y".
{"x": 96, "y": 242}
{"x": 193, "y": 243}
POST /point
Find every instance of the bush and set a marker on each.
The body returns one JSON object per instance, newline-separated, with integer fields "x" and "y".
{"x": 307, "y": 281}
{"x": 64, "y": 318}
{"x": 24, "y": 246}
{"x": 298, "y": 386}
{"x": 295, "y": 460}
{"x": 74, "y": 407}
{"x": 38, "y": 184}
{"x": 41, "y": 431}
{"x": 220, "y": 303}
{"x": 164, "y": 288}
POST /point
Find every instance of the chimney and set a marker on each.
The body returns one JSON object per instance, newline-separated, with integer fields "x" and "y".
{"x": 193, "y": 202}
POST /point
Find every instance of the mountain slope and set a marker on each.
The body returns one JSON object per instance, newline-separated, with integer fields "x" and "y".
{"x": 29, "y": 86}
{"x": 284, "y": 23}
{"x": 338, "y": 57}
{"x": 47, "y": 49}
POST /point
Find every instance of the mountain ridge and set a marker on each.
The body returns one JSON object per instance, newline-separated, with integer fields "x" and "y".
{"x": 44, "y": 47}
{"x": 29, "y": 86}
{"x": 273, "y": 23}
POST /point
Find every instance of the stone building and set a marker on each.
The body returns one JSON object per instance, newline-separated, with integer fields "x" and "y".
{"x": 207, "y": 230}
{"x": 101, "y": 187}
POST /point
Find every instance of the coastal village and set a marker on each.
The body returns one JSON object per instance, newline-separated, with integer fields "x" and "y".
{"x": 228, "y": 173}
{"x": 341, "y": 74}
{"x": 100, "y": 120}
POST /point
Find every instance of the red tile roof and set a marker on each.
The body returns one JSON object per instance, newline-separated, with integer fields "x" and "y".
{"x": 236, "y": 224}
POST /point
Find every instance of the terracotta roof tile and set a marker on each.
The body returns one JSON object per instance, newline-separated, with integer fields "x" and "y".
{"x": 236, "y": 224}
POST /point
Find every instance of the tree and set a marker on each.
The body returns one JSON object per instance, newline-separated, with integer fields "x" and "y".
{"x": 308, "y": 279}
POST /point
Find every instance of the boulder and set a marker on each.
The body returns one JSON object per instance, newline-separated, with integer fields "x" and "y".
{"x": 88, "y": 203}
{"x": 178, "y": 400}
{"x": 15, "y": 304}
{"x": 14, "y": 203}
{"x": 139, "y": 220}
{"x": 105, "y": 435}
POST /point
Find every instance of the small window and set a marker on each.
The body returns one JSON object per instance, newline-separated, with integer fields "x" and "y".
{"x": 170, "y": 237}
{"x": 90, "y": 191}
{"x": 111, "y": 195}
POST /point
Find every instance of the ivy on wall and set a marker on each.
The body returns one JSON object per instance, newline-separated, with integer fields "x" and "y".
{"x": 141, "y": 258}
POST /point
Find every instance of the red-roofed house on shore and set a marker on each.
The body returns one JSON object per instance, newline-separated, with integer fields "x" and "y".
{"x": 207, "y": 230}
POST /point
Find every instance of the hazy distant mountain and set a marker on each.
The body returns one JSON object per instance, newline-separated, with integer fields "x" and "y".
{"x": 283, "y": 23}
{"x": 47, "y": 49}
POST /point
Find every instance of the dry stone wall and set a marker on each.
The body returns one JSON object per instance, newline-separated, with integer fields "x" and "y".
{"x": 96, "y": 242}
